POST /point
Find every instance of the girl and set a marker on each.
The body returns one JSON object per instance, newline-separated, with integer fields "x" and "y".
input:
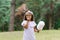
{"x": 29, "y": 26}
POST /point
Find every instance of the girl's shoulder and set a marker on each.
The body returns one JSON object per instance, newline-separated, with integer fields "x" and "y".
{"x": 33, "y": 21}
{"x": 24, "y": 21}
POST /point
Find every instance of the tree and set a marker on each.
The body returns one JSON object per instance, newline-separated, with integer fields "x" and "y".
{"x": 11, "y": 25}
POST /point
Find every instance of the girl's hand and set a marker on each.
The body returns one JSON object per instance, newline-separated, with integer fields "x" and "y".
{"x": 36, "y": 30}
{"x": 26, "y": 25}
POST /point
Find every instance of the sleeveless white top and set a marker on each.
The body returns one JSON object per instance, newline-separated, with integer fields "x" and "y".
{"x": 29, "y": 33}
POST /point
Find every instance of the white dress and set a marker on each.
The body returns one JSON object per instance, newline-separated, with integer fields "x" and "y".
{"x": 29, "y": 33}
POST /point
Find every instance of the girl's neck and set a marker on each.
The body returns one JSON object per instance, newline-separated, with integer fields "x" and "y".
{"x": 29, "y": 20}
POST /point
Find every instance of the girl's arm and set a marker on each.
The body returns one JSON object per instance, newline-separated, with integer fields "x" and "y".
{"x": 25, "y": 25}
{"x": 36, "y": 30}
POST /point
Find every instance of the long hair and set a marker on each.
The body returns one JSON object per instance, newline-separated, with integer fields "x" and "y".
{"x": 32, "y": 16}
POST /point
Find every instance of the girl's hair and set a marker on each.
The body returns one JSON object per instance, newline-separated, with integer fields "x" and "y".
{"x": 32, "y": 18}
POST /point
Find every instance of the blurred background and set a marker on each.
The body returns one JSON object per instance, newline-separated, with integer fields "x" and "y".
{"x": 45, "y": 10}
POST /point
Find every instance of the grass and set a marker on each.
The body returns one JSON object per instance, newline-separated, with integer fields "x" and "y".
{"x": 43, "y": 35}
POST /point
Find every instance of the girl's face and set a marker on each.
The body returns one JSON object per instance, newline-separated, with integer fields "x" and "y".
{"x": 28, "y": 17}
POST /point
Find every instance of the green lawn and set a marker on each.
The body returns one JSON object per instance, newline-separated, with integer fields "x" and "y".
{"x": 43, "y": 35}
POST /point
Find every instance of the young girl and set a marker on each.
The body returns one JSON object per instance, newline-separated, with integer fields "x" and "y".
{"x": 29, "y": 26}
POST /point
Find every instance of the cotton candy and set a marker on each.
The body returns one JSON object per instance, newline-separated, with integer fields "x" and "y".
{"x": 40, "y": 25}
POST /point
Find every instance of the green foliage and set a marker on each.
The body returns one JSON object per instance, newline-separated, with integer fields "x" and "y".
{"x": 57, "y": 16}
{"x": 17, "y": 24}
{"x": 19, "y": 2}
{"x": 39, "y": 7}
{"x": 4, "y": 13}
